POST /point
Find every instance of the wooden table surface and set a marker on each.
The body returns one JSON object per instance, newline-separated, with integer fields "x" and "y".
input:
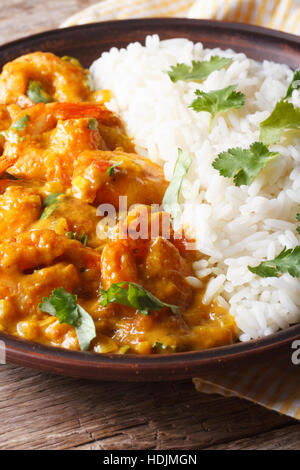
{"x": 40, "y": 411}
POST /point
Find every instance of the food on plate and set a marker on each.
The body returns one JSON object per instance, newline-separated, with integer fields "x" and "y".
{"x": 41, "y": 77}
{"x": 153, "y": 214}
{"x": 70, "y": 277}
{"x": 238, "y": 120}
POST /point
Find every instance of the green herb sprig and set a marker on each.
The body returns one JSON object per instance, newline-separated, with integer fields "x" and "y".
{"x": 217, "y": 101}
{"x": 244, "y": 164}
{"x": 64, "y": 307}
{"x": 36, "y": 93}
{"x": 171, "y": 196}
{"x": 75, "y": 236}
{"x": 12, "y": 134}
{"x": 288, "y": 261}
{"x": 131, "y": 294}
{"x": 199, "y": 70}
{"x": 50, "y": 204}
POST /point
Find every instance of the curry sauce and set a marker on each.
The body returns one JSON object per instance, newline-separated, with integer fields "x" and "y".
{"x": 64, "y": 155}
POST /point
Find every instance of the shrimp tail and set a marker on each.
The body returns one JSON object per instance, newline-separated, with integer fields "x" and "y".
{"x": 6, "y": 161}
{"x": 79, "y": 110}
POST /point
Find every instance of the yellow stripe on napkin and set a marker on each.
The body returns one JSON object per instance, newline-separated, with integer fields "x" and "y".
{"x": 276, "y": 387}
{"x": 116, "y": 10}
{"x": 277, "y": 14}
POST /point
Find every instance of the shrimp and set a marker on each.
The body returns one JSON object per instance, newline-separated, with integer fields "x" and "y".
{"x": 75, "y": 216}
{"x": 117, "y": 265}
{"x": 52, "y": 138}
{"x": 155, "y": 263}
{"x": 19, "y": 208}
{"x": 62, "y": 80}
{"x": 7, "y": 115}
{"x": 36, "y": 248}
{"x": 29, "y": 262}
{"x": 103, "y": 176}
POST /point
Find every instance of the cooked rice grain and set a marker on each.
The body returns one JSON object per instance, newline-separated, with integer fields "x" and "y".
{"x": 234, "y": 227}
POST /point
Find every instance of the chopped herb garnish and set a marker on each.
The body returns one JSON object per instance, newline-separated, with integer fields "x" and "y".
{"x": 51, "y": 199}
{"x": 21, "y": 123}
{"x": 244, "y": 164}
{"x": 48, "y": 211}
{"x": 90, "y": 82}
{"x": 133, "y": 295}
{"x": 73, "y": 60}
{"x": 124, "y": 349}
{"x": 217, "y": 101}
{"x": 157, "y": 346}
{"x": 93, "y": 124}
{"x": 171, "y": 197}
{"x": 12, "y": 134}
{"x": 64, "y": 307}
{"x": 36, "y": 93}
{"x": 199, "y": 70}
{"x": 284, "y": 116}
{"x": 111, "y": 169}
{"x": 294, "y": 85}
{"x": 50, "y": 205}
{"x": 74, "y": 236}
{"x": 288, "y": 261}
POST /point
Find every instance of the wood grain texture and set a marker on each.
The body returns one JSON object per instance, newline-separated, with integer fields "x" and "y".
{"x": 39, "y": 411}
{"x": 19, "y": 18}
{"x": 287, "y": 438}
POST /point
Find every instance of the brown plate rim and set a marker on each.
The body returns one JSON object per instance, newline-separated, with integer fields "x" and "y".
{"x": 155, "y": 21}
{"x": 161, "y": 366}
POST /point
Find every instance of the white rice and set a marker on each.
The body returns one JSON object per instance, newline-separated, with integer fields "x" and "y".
{"x": 235, "y": 227}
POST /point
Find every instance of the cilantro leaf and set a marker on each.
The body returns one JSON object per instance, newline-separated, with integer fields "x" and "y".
{"x": 111, "y": 169}
{"x": 51, "y": 199}
{"x": 93, "y": 124}
{"x": 288, "y": 261}
{"x": 217, "y": 101}
{"x": 50, "y": 204}
{"x": 85, "y": 329}
{"x": 74, "y": 236}
{"x": 199, "y": 70}
{"x": 284, "y": 116}
{"x": 64, "y": 307}
{"x": 243, "y": 164}
{"x": 36, "y": 93}
{"x": 61, "y": 304}
{"x": 133, "y": 295}
{"x": 294, "y": 85}
{"x": 182, "y": 166}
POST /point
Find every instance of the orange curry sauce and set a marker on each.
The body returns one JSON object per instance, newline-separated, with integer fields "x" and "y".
{"x": 58, "y": 138}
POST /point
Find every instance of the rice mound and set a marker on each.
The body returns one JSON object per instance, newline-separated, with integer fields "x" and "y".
{"x": 234, "y": 226}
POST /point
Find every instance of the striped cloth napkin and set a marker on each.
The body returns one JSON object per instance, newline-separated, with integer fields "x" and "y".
{"x": 275, "y": 386}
